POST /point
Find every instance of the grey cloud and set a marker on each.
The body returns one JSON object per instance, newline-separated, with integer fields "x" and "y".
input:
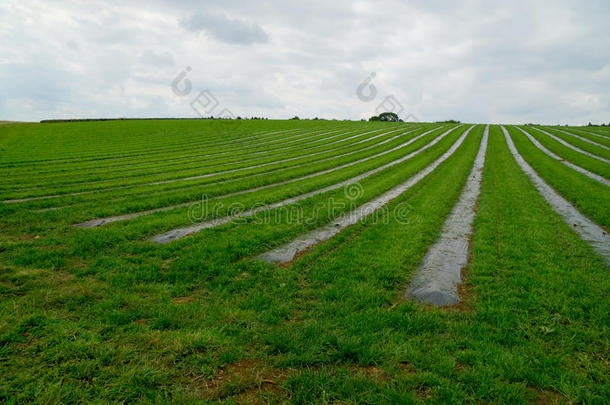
{"x": 151, "y": 57}
{"x": 474, "y": 60}
{"x": 225, "y": 29}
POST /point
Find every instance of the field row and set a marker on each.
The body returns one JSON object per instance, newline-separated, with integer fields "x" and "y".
{"x": 356, "y": 214}
{"x": 301, "y": 171}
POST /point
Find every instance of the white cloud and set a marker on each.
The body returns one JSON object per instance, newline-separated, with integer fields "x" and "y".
{"x": 474, "y": 60}
{"x": 225, "y": 29}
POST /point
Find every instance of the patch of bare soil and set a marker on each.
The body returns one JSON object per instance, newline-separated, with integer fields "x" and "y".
{"x": 372, "y": 373}
{"x": 548, "y": 397}
{"x": 182, "y": 300}
{"x": 247, "y": 382}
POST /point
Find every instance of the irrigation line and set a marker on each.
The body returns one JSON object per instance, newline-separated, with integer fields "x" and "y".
{"x": 565, "y": 162}
{"x": 156, "y": 160}
{"x": 569, "y": 145}
{"x": 93, "y": 158}
{"x": 599, "y": 145}
{"x": 189, "y": 230}
{"x": 289, "y": 251}
{"x": 588, "y": 230}
{"x": 102, "y": 221}
{"x": 437, "y": 277}
{"x": 202, "y": 176}
{"x": 281, "y": 169}
{"x": 206, "y": 162}
{"x": 592, "y": 133}
{"x": 289, "y": 167}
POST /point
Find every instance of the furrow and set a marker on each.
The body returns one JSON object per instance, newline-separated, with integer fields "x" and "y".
{"x": 283, "y": 169}
{"x": 288, "y": 252}
{"x": 565, "y": 162}
{"x": 102, "y": 221}
{"x": 164, "y": 169}
{"x": 189, "y": 230}
{"x": 599, "y": 145}
{"x": 62, "y": 170}
{"x": 591, "y": 133}
{"x": 569, "y": 145}
{"x": 202, "y": 176}
{"x": 78, "y": 159}
{"x": 439, "y": 274}
{"x": 589, "y": 231}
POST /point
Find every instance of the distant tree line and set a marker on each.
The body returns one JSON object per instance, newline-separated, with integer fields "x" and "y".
{"x": 140, "y": 119}
{"x": 566, "y": 125}
{"x": 393, "y": 117}
{"x": 179, "y": 118}
{"x": 296, "y": 117}
{"x": 386, "y": 117}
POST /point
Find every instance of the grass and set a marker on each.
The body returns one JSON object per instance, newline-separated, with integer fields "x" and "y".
{"x": 77, "y": 214}
{"x": 168, "y": 172}
{"x": 586, "y": 162}
{"x": 586, "y": 146}
{"x": 116, "y": 186}
{"x": 588, "y": 134}
{"x": 588, "y": 195}
{"x": 287, "y": 171}
{"x": 102, "y": 315}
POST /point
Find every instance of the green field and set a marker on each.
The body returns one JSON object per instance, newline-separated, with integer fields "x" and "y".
{"x": 93, "y": 309}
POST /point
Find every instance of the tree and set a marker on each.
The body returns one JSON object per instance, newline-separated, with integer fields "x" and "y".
{"x": 388, "y": 116}
{"x": 374, "y": 118}
{"x": 294, "y": 118}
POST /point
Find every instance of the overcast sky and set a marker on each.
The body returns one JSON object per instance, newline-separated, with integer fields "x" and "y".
{"x": 475, "y": 61}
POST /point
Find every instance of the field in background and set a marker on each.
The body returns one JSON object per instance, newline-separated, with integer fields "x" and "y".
{"x": 92, "y": 308}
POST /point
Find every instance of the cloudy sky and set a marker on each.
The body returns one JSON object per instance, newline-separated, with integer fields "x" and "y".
{"x": 476, "y": 61}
